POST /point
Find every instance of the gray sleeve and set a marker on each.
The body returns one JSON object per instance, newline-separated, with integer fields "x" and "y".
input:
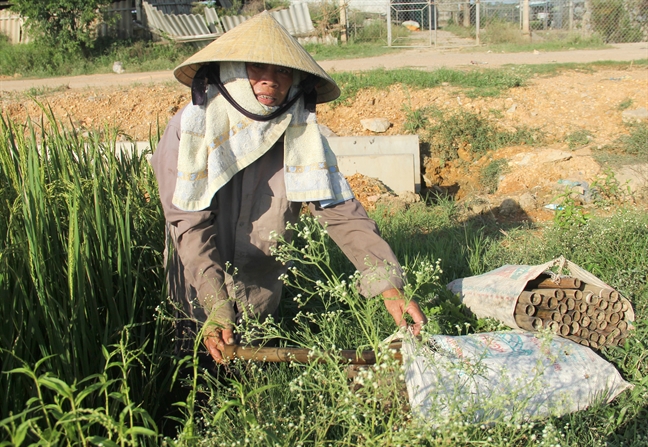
{"x": 358, "y": 237}
{"x": 193, "y": 232}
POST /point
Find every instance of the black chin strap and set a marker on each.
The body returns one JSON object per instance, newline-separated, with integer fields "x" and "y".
{"x": 210, "y": 74}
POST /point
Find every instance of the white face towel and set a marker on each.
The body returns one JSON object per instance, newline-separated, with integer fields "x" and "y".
{"x": 217, "y": 141}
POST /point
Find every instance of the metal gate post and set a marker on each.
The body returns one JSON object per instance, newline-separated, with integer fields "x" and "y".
{"x": 389, "y": 31}
{"x": 436, "y": 23}
{"x": 478, "y": 7}
{"x": 430, "y": 6}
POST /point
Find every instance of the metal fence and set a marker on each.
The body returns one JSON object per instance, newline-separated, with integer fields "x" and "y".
{"x": 120, "y": 21}
{"x": 11, "y": 25}
{"x": 425, "y": 22}
{"x": 422, "y": 22}
{"x": 614, "y": 21}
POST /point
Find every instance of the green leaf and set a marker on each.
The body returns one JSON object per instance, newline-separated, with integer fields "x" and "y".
{"x": 224, "y": 408}
{"x": 260, "y": 390}
{"x": 143, "y": 431}
{"x": 57, "y": 385}
{"x": 21, "y": 432}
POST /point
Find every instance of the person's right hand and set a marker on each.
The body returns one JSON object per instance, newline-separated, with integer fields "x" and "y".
{"x": 215, "y": 341}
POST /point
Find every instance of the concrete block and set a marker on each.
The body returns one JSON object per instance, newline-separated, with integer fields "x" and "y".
{"x": 396, "y": 171}
{"x": 394, "y": 159}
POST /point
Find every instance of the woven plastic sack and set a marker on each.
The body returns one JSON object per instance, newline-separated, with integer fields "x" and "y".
{"x": 504, "y": 376}
{"x": 494, "y": 294}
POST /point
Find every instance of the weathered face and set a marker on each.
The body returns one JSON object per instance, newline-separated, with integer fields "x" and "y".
{"x": 270, "y": 83}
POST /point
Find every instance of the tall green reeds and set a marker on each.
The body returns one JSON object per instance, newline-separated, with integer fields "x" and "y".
{"x": 81, "y": 239}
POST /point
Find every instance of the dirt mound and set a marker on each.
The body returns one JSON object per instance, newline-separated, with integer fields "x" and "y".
{"x": 560, "y": 106}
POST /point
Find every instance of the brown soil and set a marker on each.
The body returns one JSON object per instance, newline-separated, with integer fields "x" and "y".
{"x": 557, "y": 105}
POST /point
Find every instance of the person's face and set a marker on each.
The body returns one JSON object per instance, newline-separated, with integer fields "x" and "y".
{"x": 270, "y": 83}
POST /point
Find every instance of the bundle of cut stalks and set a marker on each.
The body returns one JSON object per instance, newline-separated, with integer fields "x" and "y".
{"x": 587, "y": 314}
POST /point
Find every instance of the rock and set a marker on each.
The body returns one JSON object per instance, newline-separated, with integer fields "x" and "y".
{"x": 512, "y": 108}
{"x": 376, "y": 124}
{"x": 635, "y": 116}
{"x": 392, "y": 205}
{"x": 634, "y": 177}
{"x": 409, "y": 197}
{"x": 528, "y": 202}
{"x": 480, "y": 208}
{"x": 117, "y": 67}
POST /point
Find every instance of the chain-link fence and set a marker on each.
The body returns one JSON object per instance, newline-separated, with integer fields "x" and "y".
{"x": 613, "y": 21}
{"x": 440, "y": 22}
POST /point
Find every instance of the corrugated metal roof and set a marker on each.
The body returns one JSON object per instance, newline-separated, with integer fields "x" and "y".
{"x": 180, "y": 27}
{"x": 296, "y": 20}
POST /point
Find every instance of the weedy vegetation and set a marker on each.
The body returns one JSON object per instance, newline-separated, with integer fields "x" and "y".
{"x": 491, "y": 173}
{"x": 627, "y": 149}
{"x": 625, "y": 104}
{"x": 450, "y": 132}
{"x": 477, "y": 82}
{"x": 37, "y": 60}
{"x": 578, "y": 138}
{"x": 87, "y": 348}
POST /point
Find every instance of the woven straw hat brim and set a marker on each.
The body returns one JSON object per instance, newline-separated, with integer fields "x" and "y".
{"x": 260, "y": 39}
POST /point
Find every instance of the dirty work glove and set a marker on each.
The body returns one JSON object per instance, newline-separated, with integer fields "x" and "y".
{"x": 218, "y": 329}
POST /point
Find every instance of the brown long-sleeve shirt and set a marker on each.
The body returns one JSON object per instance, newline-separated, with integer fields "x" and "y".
{"x": 234, "y": 233}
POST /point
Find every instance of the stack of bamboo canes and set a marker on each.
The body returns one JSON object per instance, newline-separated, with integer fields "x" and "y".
{"x": 587, "y": 314}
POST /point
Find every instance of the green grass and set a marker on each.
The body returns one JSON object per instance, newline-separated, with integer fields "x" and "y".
{"x": 314, "y": 404}
{"x": 321, "y": 52}
{"x": 625, "y": 104}
{"x": 636, "y": 142}
{"x": 476, "y": 82}
{"x": 87, "y": 334}
{"x": 578, "y": 138}
{"x": 628, "y": 149}
{"x": 507, "y": 37}
{"x": 450, "y": 132}
{"x": 490, "y": 174}
{"x": 83, "y": 275}
{"x": 35, "y": 60}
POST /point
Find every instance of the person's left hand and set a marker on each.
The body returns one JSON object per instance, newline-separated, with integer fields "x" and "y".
{"x": 398, "y": 306}
{"x": 215, "y": 341}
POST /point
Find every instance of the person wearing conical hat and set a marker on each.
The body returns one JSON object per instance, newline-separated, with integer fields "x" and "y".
{"x": 235, "y": 166}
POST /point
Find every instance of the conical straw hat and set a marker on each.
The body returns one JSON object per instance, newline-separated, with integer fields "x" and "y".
{"x": 259, "y": 39}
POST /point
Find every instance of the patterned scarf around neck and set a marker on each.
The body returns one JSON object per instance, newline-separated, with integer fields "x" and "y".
{"x": 217, "y": 141}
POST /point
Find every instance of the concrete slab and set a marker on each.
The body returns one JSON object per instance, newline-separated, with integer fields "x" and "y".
{"x": 395, "y": 171}
{"x": 129, "y": 147}
{"x": 394, "y": 159}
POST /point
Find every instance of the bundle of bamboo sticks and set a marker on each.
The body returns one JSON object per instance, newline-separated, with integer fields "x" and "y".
{"x": 587, "y": 314}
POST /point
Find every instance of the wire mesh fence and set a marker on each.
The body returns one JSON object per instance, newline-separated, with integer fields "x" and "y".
{"x": 453, "y": 23}
{"x": 426, "y": 22}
